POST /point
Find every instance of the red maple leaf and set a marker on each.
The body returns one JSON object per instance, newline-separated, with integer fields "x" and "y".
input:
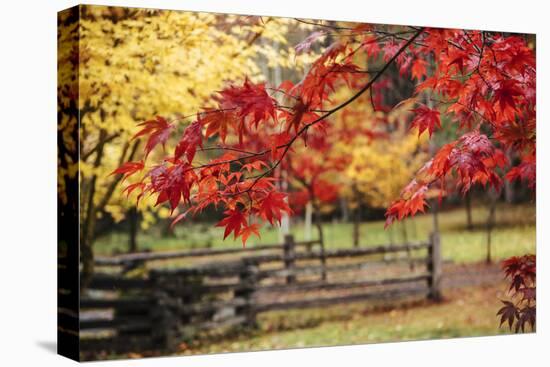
{"x": 233, "y": 222}
{"x": 425, "y": 119}
{"x": 505, "y": 97}
{"x": 247, "y": 231}
{"x": 129, "y": 168}
{"x": 250, "y": 100}
{"x": 158, "y": 130}
{"x": 273, "y": 205}
{"x": 509, "y": 313}
{"x": 218, "y": 122}
{"x": 418, "y": 69}
{"x": 192, "y": 137}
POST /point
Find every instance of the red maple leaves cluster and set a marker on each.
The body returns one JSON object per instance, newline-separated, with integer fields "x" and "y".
{"x": 227, "y": 180}
{"x": 243, "y": 177}
{"x": 483, "y": 82}
{"x": 521, "y": 310}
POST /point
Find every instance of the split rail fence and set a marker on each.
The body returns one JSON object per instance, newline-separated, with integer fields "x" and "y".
{"x": 152, "y": 301}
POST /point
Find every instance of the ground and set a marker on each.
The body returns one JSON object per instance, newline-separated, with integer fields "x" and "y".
{"x": 471, "y": 298}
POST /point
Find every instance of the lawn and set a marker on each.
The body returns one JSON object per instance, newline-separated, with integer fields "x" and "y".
{"x": 513, "y": 234}
{"x": 464, "y": 312}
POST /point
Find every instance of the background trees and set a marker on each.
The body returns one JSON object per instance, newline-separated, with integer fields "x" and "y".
{"x": 136, "y": 63}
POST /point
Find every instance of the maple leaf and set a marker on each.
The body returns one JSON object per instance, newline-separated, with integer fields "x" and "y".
{"x": 411, "y": 201}
{"x": 390, "y": 49}
{"x": 273, "y": 205}
{"x": 529, "y": 293}
{"x": 505, "y": 97}
{"x": 517, "y": 282}
{"x": 251, "y": 101}
{"x": 247, "y": 231}
{"x": 128, "y": 169}
{"x": 526, "y": 170}
{"x": 418, "y": 69}
{"x": 425, "y": 119}
{"x": 158, "y": 130}
{"x": 218, "y": 122}
{"x": 370, "y": 44}
{"x": 256, "y": 165}
{"x": 441, "y": 162}
{"x": 527, "y": 315}
{"x": 512, "y": 265}
{"x": 305, "y": 45}
{"x": 234, "y": 221}
{"x": 172, "y": 182}
{"x": 459, "y": 58}
{"x": 509, "y": 313}
{"x": 277, "y": 144}
{"x": 192, "y": 137}
{"x": 298, "y": 111}
{"x": 132, "y": 187}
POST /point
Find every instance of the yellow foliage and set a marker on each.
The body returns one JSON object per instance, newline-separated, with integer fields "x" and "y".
{"x": 380, "y": 169}
{"x": 137, "y": 63}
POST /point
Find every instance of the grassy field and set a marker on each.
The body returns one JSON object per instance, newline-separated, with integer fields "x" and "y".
{"x": 513, "y": 234}
{"x": 464, "y": 312}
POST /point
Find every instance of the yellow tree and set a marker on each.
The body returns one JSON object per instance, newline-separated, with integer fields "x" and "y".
{"x": 380, "y": 167}
{"x": 133, "y": 64}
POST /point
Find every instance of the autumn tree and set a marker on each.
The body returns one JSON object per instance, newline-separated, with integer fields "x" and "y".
{"x": 311, "y": 171}
{"x": 482, "y": 82}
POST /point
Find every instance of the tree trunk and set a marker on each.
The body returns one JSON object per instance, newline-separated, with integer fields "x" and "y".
{"x": 390, "y": 235}
{"x": 435, "y": 216}
{"x": 356, "y": 216}
{"x": 468, "y": 201}
{"x": 87, "y": 259}
{"x": 404, "y": 232}
{"x": 344, "y": 209}
{"x": 307, "y": 221}
{"x": 319, "y": 226}
{"x": 284, "y": 228}
{"x": 356, "y": 226}
{"x": 88, "y": 224}
{"x": 318, "y": 223}
{"x": 166, "y": 229}
{"x": 490, "y": 224}
{"x": 133, "y": 224}
{"x": 509, "y": 194}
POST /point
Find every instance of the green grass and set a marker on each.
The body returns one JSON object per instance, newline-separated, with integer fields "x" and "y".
{"x": 465, "y": 312}
{"x": 513, "y": 234}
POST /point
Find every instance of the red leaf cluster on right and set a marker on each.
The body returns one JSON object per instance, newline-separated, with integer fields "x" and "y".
{"x": 520, "y": 311}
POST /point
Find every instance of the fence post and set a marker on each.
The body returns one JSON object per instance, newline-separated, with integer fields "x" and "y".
{"x": 164, "y": 323}
{"x": 128, "y": 266}
{"x": 289, "y": 255}
{"x": 323, "y": 260}
{"x": 434, "y": 267}
{"x": 248, "y": 279}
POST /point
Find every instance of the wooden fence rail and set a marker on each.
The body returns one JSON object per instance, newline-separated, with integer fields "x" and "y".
{"x": 142, "y": 257}
{"x": 166, "y": 306}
